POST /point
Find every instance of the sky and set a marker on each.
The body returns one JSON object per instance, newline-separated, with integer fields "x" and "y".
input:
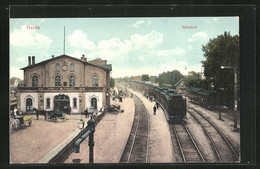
{"x": 134, "y": 46}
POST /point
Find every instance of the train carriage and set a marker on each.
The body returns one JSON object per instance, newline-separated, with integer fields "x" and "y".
{"x": 173, "y": 103}
{"x": 205, "y": 98}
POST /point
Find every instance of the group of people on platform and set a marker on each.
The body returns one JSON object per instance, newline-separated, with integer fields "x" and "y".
{"x": 15, "y": 112}
{"x": 67, "y": 109}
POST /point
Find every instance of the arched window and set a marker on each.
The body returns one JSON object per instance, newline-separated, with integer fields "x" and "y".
{"x": 72, "y": 81}
{"x": 48, "y": 103}
{"x": 74, "y": 102}
{"x": 34, "y": 81}
{"x": 29, "y": 104}
{"x": 57, "y": 67}
{"x": 57, "y": 81}
{"x": 94, "y": 103}
{"x": 72, "y": 67}
{"x": 95, "y": 81}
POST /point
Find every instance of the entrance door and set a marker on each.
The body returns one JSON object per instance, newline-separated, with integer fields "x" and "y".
{"x": 29, "y": 105}
{"x": 94, "y": 103}
{"x": 61, "y": 101}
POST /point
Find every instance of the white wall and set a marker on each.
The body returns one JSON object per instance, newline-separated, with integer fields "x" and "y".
{"x": 71, "y": 96}
{"x": 24, "y": 96}
{"x": 90, "y": 95}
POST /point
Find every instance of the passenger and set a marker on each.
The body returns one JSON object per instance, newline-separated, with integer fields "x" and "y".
{"x": 157, "y": 105}
{"x": 154, "y": 110}
{"x": 12, "y": 113}
{"x": 69, "y": 110}
{"x": 15, "y": 111}
{"x": 86, "y": 112}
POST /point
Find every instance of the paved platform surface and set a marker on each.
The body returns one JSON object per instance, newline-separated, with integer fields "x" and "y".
{"x": 110, "y": 136}
{"x": 31, "y": 143}
{"x": 112, "y": 133}
{"x": 160, "y": 143}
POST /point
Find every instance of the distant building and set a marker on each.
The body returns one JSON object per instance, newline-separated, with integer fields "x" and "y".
{"x": 65, "y": 81}
{"x": 136, "y": 78}
{"x": 180, "y": 87}
{"x": 16, "y": 83}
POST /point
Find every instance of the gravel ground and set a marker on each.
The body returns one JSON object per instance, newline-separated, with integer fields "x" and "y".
{"x": 110, "y": 136}
{"x": 201, "y": 139}
{"x": 226, "y": 125}
{"x": 160, "y": 143}
{"x": 30, "y": 143}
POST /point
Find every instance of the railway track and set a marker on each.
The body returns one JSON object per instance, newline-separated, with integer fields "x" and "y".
{"x": 223, "y": 115}
{"x": 136, "y": 150}
{"x": 222, "y": 146}
{"x": 187, "y": 146}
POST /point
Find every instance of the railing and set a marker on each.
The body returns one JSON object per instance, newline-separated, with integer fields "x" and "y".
{"x": 61, "y": 156}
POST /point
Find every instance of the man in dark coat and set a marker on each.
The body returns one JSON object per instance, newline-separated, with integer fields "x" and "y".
{"x": 157, "y": 105}
{"x": 154, "y": 110}
{"x": 86, "y": 112}
{"x": 69, "y": 110}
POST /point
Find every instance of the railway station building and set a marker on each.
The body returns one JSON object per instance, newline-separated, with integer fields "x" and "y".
{"x": 180, "y": 87}
{"x": 64, "y": 81}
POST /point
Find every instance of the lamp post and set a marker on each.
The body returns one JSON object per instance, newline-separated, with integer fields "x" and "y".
{"x": 81, "y": 124}
{"x": 90, "y": 133}
{"x": 234, "y": 67}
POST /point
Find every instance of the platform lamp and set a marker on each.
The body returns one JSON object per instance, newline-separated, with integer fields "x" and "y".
{"x": 81, "y": 124}
{"x": 234, "y": 67}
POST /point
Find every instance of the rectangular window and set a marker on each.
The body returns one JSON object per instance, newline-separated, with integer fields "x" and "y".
{"x": 48, "y": 103}
{"x": 74, "y": 103}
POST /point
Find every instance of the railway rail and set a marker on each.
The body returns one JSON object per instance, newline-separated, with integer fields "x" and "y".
{"x": 186, "y": 144}
{"x": 223, "y": 115}
{"x": 136, "y": 150}
{"x": 222, "y": 146}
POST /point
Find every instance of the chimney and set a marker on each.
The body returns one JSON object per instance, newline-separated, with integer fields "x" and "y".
{"x": 29, "y": 60}
{"x": 83, "y": 58}
{"x": 33, "y": 60}
{"x": 52, "y": 56}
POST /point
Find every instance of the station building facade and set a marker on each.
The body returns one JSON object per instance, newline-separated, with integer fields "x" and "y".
{"x": 64, "y": 81}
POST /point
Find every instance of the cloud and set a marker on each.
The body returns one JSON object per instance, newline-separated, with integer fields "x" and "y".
{"x": 183, "y": 66}
{"x": 114, "y": 48}
{"x": 79, "y": 39}
{"x": 29, "y": 37}
{"x": 27, "y": 42}
{"x": 137, "y": 45}
{"x": 137, "y": 24}
{"x": 170, "y": 52}
{"x": 198, "y": 36}
{"x": 148, "y": 23}
{"x": 146, "y": 41}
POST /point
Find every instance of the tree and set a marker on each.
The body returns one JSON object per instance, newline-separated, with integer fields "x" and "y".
{"x": 192, "y": 79}
{"x": 145, "y": 77}
{"x": 223, "y": 50}
{"x": 153, "y": 79}
{"x": 12, "y": 80}
{"x": 112, "y": 82}
{"x": 170, "y": 78}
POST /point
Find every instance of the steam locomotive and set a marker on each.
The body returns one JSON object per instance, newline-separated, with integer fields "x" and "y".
{"x": 173, "y": 103}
